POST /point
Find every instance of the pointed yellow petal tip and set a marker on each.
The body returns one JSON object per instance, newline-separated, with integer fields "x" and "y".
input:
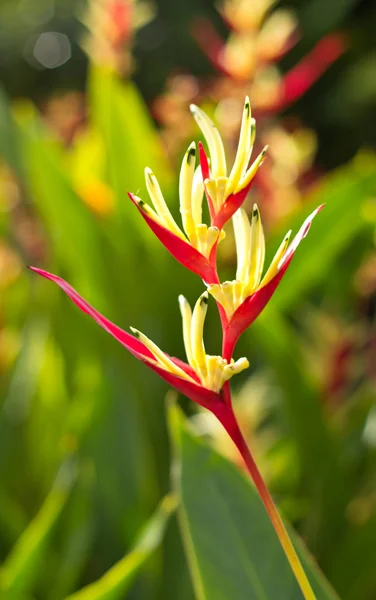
{"x": 247, "y": 106}
{"x": 149, "y": 175}
{"x": 193, "y": 108}
{"x": 204, "y": 298}
{"x": 191, "y": 152}
{"x": 182, "y": 301}
{"x": 146, "y": 209}
{"x": 256, "y": 212}
{"x": 135, "y": 332}
{"x": 252, "y": 133}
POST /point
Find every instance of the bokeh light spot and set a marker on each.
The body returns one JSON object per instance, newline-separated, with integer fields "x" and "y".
{"x": 52, "y": 49}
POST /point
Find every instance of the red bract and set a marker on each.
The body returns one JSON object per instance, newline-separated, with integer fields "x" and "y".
{"x": 252, "y": 306}
{"x": 247, "y": 312}
{"x": 195, "y": 392}
{"x": 205, "y": 171}
{"x": 120, "y": 17}
{"x": 184, "y": 252}
{"x": 312, "y": 66}
{"x": 230, "y": 206}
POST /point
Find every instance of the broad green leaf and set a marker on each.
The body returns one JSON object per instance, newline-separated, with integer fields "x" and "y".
{"x": 26, "y": 560}
{"x": 232, "y": 548}
{"x": 116, "y": 582}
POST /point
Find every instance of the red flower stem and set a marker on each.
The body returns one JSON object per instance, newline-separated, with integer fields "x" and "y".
{"x": 226, "y": 416}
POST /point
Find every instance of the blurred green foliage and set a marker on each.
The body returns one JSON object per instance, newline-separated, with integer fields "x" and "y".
{"x": 219, "y": 523}
{"x": 85, "y": 456}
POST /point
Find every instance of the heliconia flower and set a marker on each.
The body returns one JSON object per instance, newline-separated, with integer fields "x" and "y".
{"x": 244, "y": 298}
{"x": 201, "y": 379}
{"x": 252, "y": 43}
{"x": 111, "y": 26}
{"x": 226, "y": 193}
{"x": 195, "y": 247}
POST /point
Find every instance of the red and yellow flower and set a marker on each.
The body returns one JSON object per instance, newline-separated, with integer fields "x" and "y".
{"x": 195, "y": 244}
{"x": 204, "y": 378}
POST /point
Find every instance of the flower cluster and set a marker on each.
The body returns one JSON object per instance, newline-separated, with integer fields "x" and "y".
{"x": 204, "y": 378}
{"x": 257, "y": 41}
{"x": 194, "y": 244}
{"x": 111, "y": 25}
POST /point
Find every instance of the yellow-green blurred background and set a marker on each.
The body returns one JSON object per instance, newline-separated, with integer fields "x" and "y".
{"x": 85, "y": 104}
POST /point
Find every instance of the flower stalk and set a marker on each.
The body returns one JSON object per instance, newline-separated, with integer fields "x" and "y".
{"x": 229, "y": 422}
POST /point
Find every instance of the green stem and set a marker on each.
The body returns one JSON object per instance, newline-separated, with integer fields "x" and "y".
{"x": 227, "y": 418}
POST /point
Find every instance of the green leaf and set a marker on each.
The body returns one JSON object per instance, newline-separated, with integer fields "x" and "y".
{"x": 232, "y": 547}
{"x": 117, "y": 581}
{"x": 25, "y": 561}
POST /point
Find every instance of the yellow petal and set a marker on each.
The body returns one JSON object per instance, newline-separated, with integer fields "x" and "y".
{"x": 273, "y": 269}
{"x": 186, "y": 314}
{"x": 160, "y": 205}
{"x": 213, "y": 139}
{"x": 161, "y": 358}
{"x": 185, "y": 191}
{"x": 257, "y": 254}
{"x": 251, "y": 171}
{"x": 242, "y": 233}
{"x": 242, "y": 154}
{"x": 197, "y": 196}
{"x": 197, "y": 333}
